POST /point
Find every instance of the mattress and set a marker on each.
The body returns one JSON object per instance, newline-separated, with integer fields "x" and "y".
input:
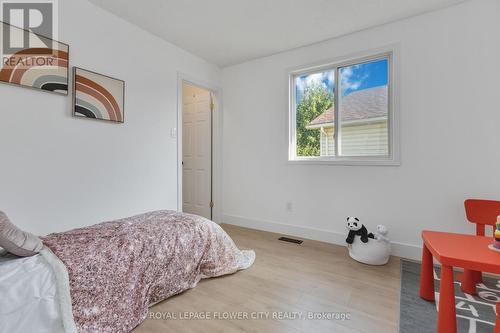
{"x": 30, "y": 300}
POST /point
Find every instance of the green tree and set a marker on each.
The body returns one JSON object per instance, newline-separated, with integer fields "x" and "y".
{"x": 316, "y": 100}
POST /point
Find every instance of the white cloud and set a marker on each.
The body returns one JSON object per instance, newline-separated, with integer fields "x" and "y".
{"x": 317, "y": 78}
{"x": 347, "y": 78}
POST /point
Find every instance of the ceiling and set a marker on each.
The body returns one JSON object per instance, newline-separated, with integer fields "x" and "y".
{"x": 227, "y": 32}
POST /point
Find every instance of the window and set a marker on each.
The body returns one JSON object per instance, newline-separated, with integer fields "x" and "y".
{"x": 343, "y": 113}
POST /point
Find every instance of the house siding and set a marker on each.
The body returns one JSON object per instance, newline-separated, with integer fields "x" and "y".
{"x": 327, "y": 142}
{"x": 358, "y": 140}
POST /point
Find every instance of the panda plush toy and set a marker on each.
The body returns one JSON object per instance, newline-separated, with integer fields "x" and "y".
{"x": 357, "y": 229}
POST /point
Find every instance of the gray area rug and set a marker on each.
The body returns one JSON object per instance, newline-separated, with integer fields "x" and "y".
{"x": 474, "y": 313}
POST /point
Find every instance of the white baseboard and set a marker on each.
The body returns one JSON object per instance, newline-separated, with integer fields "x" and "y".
{"x": 402, "y": 250}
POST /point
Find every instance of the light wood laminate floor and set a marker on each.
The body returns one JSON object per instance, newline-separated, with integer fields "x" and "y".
{"x": 313, "y": 277}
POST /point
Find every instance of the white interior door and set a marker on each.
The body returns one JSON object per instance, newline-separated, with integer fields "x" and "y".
{"x": 196, "y": 151}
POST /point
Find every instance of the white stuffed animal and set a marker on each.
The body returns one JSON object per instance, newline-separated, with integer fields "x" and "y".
{"x": 381, "y": 233}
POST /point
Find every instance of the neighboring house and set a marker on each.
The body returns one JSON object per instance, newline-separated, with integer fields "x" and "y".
{"x": 364, "y": 115}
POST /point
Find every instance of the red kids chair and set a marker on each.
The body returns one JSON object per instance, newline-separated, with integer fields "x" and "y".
{"x": 482, "y": 213}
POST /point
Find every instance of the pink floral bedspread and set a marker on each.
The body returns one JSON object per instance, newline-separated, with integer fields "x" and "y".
{"x": 118, "y": 269}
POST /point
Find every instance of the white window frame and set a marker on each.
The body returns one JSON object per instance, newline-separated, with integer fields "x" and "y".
{"x": 393, "y": 159}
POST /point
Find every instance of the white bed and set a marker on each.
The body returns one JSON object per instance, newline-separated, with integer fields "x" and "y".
{"x": 31, "y": 299}
{"x": 174, "y": 251}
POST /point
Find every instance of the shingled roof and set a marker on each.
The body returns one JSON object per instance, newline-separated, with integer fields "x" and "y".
{"x": 360, "y": 105}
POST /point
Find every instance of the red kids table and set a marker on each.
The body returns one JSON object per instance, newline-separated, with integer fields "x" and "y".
{"x": 469, "y": 252}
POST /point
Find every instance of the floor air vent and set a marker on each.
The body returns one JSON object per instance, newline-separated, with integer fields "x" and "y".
{"x": 290, "y": 240}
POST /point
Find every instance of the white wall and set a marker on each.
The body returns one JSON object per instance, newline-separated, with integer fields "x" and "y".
{"x": 450, "y": 135}
{"x": 59, "y": 172}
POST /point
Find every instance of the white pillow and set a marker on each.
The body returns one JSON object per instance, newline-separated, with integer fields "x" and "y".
{"x": 16, "y": 241}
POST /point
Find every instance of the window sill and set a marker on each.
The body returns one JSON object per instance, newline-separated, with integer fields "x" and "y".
{"x": 347, "y": 161}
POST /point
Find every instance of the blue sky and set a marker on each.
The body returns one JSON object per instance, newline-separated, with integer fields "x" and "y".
{"x": 353, "y": 78}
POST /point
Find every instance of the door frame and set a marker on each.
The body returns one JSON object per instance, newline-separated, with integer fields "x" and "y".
{"x": 216, "y": 144}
